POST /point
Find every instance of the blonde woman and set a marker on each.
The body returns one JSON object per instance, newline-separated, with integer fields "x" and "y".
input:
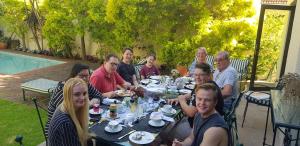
{"x": 69, "y": 124}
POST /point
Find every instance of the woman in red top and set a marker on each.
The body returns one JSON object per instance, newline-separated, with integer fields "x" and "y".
{"x": 149, "y": 68}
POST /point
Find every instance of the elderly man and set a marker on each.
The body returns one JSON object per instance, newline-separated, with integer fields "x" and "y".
{"x": 210, "y": 128}
{"x": 226, "y": 78}
{"x": 200, "y": 58}
{"x": 106, "y": 79}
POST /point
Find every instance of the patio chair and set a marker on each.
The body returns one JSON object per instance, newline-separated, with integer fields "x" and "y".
{"x": 41, "y": 85}
{"x": 230, "y": 118}
{"x": 138, "y": 68}
{"x": 210, "y": 60}
{"x": 37, "y": 107}
{"x": 241, "y": 66}
{"x": 258, "y": 98}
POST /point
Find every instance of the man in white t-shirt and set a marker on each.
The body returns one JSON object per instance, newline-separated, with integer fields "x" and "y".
{"x": 226, "y": 78}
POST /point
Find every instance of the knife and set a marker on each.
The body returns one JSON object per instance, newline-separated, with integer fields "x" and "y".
{"x": 126, "y": 134}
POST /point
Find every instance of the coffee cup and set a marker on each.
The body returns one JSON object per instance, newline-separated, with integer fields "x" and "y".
{"x": 156, "y": 117}
{"x": 167, "y": 108}
{"x": 129, "y": 118}
{"x": 113, "y": 124}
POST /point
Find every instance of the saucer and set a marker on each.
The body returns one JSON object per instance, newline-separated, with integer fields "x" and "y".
{"x": 155, "y": 77}
{"x": 185, "y": 91}
{"x": 154, "y": 124}
{"x": 91, "y": 111}
{"x": 108, "y": 117}
{"x": 146, "y": 137}
{"x": 190, "y": 86}
{"x": 118, "y": 129}
{"x": 168, "y": 113}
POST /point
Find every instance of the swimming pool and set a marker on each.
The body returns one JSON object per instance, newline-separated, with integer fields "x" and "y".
{"x": 15, "y": 63}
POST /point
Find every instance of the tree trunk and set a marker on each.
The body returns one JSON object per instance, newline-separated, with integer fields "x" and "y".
{"x": 83, "y": 52}
{"x": 23, "y": 40}
{"x": 36, "y": 39}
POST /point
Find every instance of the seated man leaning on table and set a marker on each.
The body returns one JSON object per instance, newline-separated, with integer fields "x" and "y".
{"x": 210, "y": 128}
{"x": 226, "y": 78}
{"x": 78, "y": 71}
{"x": 106, "y": 79}
{"x": 199, "y": 58}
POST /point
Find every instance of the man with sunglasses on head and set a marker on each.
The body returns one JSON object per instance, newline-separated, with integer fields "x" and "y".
{"x": 106, "y": 79}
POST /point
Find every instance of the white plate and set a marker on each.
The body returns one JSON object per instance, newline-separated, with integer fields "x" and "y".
{"x": 124, "y": 93}
{"x": 185, "y": 91}
{"x": 162, "y": 123}
{"x": 190, "y": 86}
{"x": 145, "y": 81}
{"x": 91, "y": 111}
{"x": 149, "y": 81}
{"x": 168, "y": 113}
{"x": 155, "y": 77}
{"x": 118, "y": 129}
{"x": 146, "y": 138}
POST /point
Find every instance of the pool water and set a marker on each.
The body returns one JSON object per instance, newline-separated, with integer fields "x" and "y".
{"x": 15, "y": 63}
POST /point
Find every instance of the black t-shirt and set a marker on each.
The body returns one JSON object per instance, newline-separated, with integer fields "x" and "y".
{"x": 219, "y": 106}
{"x": 126, "y": 71}
{"x": 203, "y": 124}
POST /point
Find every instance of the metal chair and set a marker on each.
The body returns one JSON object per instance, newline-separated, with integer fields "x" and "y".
{"x": 138, "y": 68}
{"x": 258, "y": 98}
{"x": 37, "y": 107}
{"x": 230, "y": 118}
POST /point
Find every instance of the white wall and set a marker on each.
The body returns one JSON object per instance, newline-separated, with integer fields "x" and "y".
{"x": 293, "y": 60}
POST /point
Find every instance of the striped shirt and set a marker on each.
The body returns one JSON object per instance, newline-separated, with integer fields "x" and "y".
{"x": 57, "y": 98}
{"x": 62, "y": 130}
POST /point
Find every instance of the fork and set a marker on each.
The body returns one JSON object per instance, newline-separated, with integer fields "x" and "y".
{"x": 126, "y": 134}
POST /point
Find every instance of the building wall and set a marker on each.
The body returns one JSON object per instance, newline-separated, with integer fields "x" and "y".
{"x": 293, "y": 60}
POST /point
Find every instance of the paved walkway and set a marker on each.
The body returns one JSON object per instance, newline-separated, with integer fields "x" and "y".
{"x": 250, "y": 135}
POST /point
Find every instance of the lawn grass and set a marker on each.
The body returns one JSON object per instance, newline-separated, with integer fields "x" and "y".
{"x": 20, "y": 119}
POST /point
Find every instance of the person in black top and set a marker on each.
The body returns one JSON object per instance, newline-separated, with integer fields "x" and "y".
{"x": 210, "y": 128}
{"x": 202, "y": 74}
{"x": 80, "y": 71}
{"x": 126, "y": 69}
{"x": 69, "y": 125}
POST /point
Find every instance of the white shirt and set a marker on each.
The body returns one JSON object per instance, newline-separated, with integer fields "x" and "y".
{"x": 227, "y": 77}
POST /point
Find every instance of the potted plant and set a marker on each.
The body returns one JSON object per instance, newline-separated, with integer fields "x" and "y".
{"x": 3, "y": 42}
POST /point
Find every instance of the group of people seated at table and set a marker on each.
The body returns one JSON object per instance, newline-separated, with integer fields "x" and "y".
{"x": 213, "y": 94}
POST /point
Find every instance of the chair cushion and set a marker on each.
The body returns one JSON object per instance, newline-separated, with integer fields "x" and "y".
{"x": 259, "y": 98}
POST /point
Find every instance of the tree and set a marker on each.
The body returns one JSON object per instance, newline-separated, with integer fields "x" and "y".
{"x": 13, "y": 18}
{"x": 59, "y": 29}
{"x": 70, "y": 18}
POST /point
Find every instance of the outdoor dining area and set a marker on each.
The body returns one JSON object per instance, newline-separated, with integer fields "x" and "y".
{"x": 150, "y": 73}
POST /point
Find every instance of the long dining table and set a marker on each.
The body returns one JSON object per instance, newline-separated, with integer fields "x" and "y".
{"x": 153, "y": 101}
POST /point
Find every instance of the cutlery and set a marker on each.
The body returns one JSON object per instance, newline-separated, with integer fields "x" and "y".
{"x": 126, "y": 134}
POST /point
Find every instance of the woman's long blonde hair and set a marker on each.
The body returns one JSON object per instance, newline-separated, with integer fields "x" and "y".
{"x": 80, "y": 117}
